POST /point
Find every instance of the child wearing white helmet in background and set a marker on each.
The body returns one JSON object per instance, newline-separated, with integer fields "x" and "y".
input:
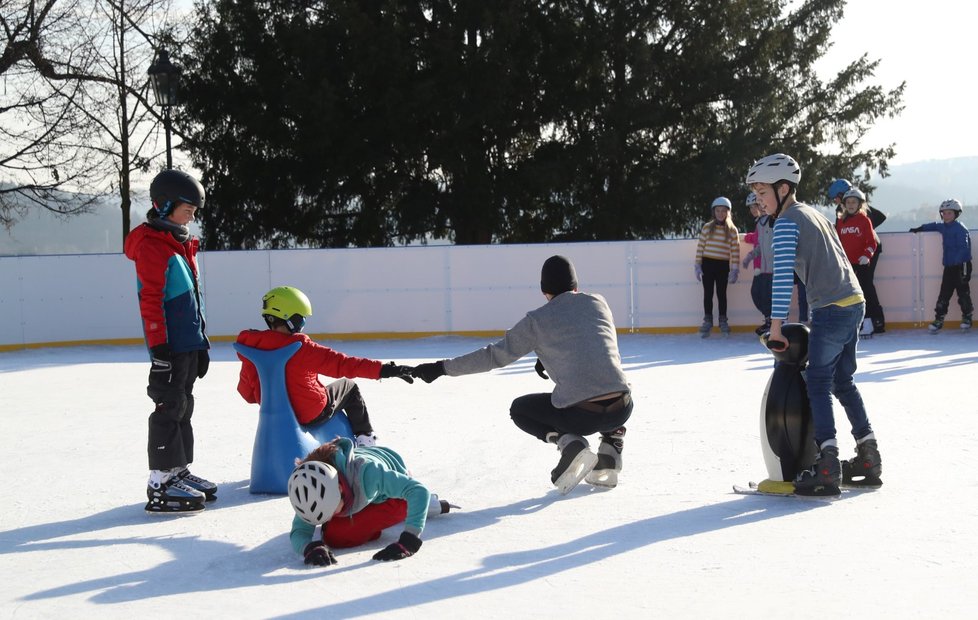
{"x": 957, "y": 263}
{"x": 355, "y": 493}
{"x": 717, "y": 263}
{"x": 762, "y": 258}
{"x": 859, "y": 240}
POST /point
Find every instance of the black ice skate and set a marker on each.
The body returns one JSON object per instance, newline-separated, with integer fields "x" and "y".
{"x": 576, "y": 462}
{"x": 966, "y": 322}
{"x": 724, "y": 326}
{"x": 937, "y": 325}
{"x": 208, "y": 488}
{"x": 864, "y": 469}
{"x": 173, "y": 496}
{"x": 605, "y": 473}
{"x": 823, "y": 477}
{"x": 706, "y": 327}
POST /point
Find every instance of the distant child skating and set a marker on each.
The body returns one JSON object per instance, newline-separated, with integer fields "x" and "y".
{"x": 859, "y": 240}
{"x": 717, "y": 263}
{"x": 957, "y": 264}
{"x": 762, "y": 258}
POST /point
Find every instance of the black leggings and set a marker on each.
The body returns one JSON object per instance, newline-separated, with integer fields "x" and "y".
{"x": 715, "y": 274}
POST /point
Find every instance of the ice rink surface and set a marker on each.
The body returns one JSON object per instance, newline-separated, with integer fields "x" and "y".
{"x": 672, "y": 541}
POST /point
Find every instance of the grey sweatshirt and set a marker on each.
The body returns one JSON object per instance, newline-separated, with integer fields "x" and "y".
{"x": 574, "y": 337}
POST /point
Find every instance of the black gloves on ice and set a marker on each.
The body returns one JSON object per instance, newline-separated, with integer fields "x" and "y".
{"x": 540, "y": 369}
{"x": 203, "y": 363}
{"x": 406, "y": 546}
{"x": 318, "y": 554}
{"x": 390, "y": 369}
{"x": 428, "y": 372}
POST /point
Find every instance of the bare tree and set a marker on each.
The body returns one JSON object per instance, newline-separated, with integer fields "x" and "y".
{"x": 75, "y": 113}
{"x": 44, "y": 156}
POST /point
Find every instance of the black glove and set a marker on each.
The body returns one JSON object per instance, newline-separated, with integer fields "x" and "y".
{"x": 915, "y": 230}
{"x": 540, "y": 369}
{"x": 318, "y": 554}
{"x": 406, "y": 546}
{"x": 428, "y": 372}
{"x": 203, "y": 363}
{"x": 390, "y": 369}
{"x": 162, "y": 358}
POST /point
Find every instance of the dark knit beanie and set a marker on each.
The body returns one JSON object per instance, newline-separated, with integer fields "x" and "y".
{"x": 558, "y": 276}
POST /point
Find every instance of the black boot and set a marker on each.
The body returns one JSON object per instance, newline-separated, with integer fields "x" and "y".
{"x": 823, "y": 477}
{"x": 864, "y": 469}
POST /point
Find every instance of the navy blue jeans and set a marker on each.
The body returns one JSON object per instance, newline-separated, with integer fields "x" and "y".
{"x": 831, "y": 365}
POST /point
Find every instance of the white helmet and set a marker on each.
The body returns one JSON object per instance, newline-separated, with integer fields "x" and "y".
{"x": 721, "y": 202}
{"x": 774, "y": 168}
{"x": 314, "y": 490}
{"x": 854, "y": 193}
{"x": 950, "y": 204}
{"x": 751, "y": 199}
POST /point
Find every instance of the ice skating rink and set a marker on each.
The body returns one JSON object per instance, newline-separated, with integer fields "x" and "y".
{"x": 672, "y": 541}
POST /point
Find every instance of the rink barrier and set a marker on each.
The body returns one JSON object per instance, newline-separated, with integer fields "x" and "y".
{"x": 418, "y": 291}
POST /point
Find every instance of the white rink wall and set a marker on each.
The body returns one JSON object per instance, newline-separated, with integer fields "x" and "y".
{"x": 412, "y": 291}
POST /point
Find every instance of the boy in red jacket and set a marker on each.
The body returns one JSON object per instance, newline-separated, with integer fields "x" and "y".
{"x": 172, "y": 313}
{"x": 285, "y": 310}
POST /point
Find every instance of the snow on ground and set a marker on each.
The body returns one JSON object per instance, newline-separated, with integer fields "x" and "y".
{"x": 671, "y": 541}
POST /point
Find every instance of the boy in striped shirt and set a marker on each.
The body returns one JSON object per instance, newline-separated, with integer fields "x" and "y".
{"x": 806, "y": 243}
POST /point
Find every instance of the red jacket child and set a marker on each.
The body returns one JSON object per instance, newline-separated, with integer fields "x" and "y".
{"x": 857, "y": 237}
{"x": 306, "y": 392}
{"x": 285, "y": 309}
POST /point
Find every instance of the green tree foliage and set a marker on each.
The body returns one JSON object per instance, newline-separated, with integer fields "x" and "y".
{"x": 367, "y": 122}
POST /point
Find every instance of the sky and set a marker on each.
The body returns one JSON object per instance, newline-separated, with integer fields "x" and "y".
{"x": 671, "y": 541}
{"x": 929, "y": 45}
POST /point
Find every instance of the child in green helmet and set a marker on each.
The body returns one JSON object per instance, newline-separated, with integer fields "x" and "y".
{"x": 285, "y": 309}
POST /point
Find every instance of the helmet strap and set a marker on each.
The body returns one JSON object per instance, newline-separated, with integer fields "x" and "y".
{"x": 781, "y": 201}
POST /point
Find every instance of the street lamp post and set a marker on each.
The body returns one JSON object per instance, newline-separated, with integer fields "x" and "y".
{"x": 165, "y": 77}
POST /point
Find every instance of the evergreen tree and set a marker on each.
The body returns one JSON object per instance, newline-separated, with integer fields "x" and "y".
{"x": 357, "y": 122}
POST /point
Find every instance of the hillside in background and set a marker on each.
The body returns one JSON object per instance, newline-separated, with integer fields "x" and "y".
{"x": 911, "y": 194}
{"x": 909, "y": 197}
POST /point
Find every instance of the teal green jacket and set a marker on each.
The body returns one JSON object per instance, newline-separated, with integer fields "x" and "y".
{"x": 375, "y": 475}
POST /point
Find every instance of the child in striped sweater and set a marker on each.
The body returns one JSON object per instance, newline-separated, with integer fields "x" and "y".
{"x": 717, "y": 263}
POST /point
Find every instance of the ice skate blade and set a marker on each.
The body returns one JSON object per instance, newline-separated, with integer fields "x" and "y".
{"x": 869, "y": 484}
{"x": 580, "y": 467}
{"x": 606, "y": 478}
{"x": 773, "y": 488}
{"x": 174, "y": 509}
{"x": 825, "y": 490}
